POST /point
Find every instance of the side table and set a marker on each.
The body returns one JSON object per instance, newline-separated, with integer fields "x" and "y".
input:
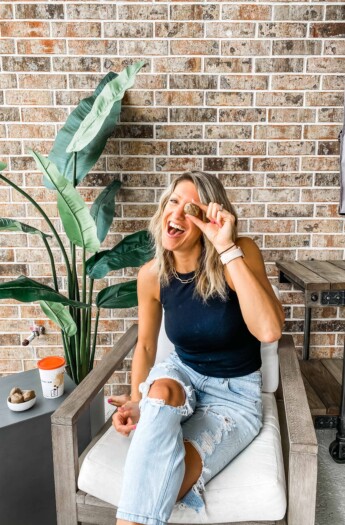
{"x": 26, "y": 462}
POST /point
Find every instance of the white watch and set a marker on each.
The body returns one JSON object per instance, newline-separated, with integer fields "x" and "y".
{"x": 230, "y": 255}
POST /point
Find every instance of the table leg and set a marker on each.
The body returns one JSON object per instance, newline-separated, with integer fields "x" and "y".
{"x": 337, "y": 447}
{"x": 306, "y": 340}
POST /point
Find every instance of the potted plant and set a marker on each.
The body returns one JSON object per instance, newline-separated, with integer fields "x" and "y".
{"x": 77, "y": 147}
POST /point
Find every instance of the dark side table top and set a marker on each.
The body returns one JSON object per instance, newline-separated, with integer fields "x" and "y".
{"x": 313, "y": 275}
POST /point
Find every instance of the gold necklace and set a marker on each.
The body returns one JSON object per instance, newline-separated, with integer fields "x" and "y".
{"x": 184, "y": 281}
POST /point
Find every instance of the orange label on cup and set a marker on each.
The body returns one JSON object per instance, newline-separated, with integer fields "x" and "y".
{"x": 50, "y": 363}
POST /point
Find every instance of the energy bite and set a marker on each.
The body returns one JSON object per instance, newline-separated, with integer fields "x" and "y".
{"x": 192, "y": 209}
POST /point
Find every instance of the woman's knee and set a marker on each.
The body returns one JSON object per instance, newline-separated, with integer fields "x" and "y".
{"x": 169, "y": 391}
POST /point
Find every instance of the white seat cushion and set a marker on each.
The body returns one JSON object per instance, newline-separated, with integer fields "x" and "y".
{"x": 251, "y": 488}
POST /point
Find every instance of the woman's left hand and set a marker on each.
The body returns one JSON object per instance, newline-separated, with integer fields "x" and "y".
{"x": 220, "y": 229}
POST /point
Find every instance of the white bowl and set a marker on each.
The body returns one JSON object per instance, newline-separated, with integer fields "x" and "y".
{"x": 20, "y": 407}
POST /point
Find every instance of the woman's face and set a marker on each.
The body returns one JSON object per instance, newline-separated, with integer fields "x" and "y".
{"x": 178, "y": 232}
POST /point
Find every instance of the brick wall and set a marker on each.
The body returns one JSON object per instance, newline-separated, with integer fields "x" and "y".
{"x": 252, "y": 92}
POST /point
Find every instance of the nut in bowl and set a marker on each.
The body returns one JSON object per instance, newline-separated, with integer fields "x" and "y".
{"x": 20, "y": 400}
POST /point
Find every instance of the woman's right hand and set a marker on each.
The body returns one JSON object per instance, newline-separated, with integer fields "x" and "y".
{"x": 126, "y": 417}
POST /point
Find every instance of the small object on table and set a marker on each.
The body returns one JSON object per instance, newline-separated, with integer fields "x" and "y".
{"x": 192, "y": 209}
{"x": 20, "y": 400}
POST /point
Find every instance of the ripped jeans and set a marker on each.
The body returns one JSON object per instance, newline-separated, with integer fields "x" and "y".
{"x": 220, "y": 417}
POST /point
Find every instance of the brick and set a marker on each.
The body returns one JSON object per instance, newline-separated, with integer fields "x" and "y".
{"x": 320, "y": 195}
{"x": 321, "y": 132}
{"x": 242, "y": 115}
{"x": 26, "y": 97}
{"x": 24, "y": 29}
{"x": 239, "y": 196}
{"x": 142, "y": 12}
{"x": 320, "y": 226}
{"x": 298, "y": 12}
{"x": 177, "y": 65}
{"x": 142, "y": 210}
{"x": 7, "y": 47}
{"x": 14, "y": 269}
{"x": 193, "y": 115}
{"x": 26, "y": 64}
{"x": 9, "y": 340}
{"x": 132, "y": 47}
{"x": 320, "y": 163}
{"x": 125, "y": 30}
{"x": 31, "y": 131}
{"x": 333, "y": 82}
{"x": 92, "y": 47}
{"x": 217, "y": 164}
{"x": 277, "y": 132}
{"x": 278, "y": 65}
{"x": 132, "y": 114}
{"x": 38, "y": 11}
{"x": 178, "y": 164}
{"x": 272, "y": 226}
{"x": 290, "y": 210}
{"x": 246, "y": 47}
{"x": 326, "y": 65}
{"x": 327, "y": 179}
{"x": 133, "y": 131}
{"x": 228, "y": 132}
{"x": 328, "y": 241}
{"x": 36, "y": 47}
{"x": 193, "y": 148}
{"x": 325, "y": 99}
{"x": 138, "y": 98}
{"x": 6, "y": 255}
{"x": 73, "y": 30}
{"x": 10, "y": 366}
{"x": 275, "y": 164}
{"x": 229, "y": 99}
{"x": 193, "y": 82}
{"x": 327, "y": 30}
{"x": 283, "y": 30}
{"x": 279, "y": 99}
{"x": 117, "y": 64}
{"x": 249, "y": 209}
{"x": 228, "y": 65}
{"x": 246, "y": 12}
{"x": 144, "y": 148}
{"x": 335, "y": 12}
{"x": 194, "y": 47}
{"x": 151, "y": 82}
{"x": 334, "y": 47}
{"x": 242, "y": 148}
{"x": 230, "y": 30}
{"x": 291, "y": 115}
{"x": 276, "y": 195}
{"x": 291, "y": 148}
{"x": 182, "y": 132}
{"x": 10, "y": 148}
{"x": 76, "y": 64}
{"x": 195, "y": 12}
{"x": 179, "y": 30}
{"x": 9, "y": 114}
{"x": 8, "y": 81}
{"x": 6, "y": 11}
{"x": 250, "y": 82}
{"x": 38, "y": 114}
{"x": 91, "y": 11}
{"x": 297, "y": 47}
{"x": 293, "y": 82}
{"x": 287, "y": 241}
{"x": 42, "y": 81}
{"x": 281, "y": 255}
{"x": 130, "y": 164}
{"x": 233, "y": 180}
{"x": 179, "y": 98}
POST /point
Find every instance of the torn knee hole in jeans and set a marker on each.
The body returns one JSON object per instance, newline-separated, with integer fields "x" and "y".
{"x": 183, "y": 410}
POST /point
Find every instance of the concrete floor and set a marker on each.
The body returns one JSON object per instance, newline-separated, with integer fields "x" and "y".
{"x": 330, "y": 499}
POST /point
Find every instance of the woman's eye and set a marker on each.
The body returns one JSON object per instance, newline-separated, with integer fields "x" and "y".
{"x": 174, "y": 201}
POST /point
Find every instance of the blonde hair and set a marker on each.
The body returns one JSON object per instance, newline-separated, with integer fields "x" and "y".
{"x": 210, "y": 278}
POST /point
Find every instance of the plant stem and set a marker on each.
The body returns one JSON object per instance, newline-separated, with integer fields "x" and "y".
{"x": 52, "y": 263}
{"x": 84, "y": 312}
{"x": 88, "y": 323}
{"x": 48, "y": 221}
{"x": 94, "y": 341}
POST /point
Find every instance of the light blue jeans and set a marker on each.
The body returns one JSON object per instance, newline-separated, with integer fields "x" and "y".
{"x": 220, "y": 417}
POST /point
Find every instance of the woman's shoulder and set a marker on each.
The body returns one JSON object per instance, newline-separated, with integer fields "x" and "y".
{"x": 246, "y": 243}
{"x": 148, "y": 277}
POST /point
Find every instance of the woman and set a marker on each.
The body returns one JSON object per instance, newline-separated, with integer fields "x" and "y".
{"x": 202, "y": 406}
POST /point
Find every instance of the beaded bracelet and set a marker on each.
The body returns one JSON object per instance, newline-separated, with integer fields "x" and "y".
{"x": 221, "y": 253}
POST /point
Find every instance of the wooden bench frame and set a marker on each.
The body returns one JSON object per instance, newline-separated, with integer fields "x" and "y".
{"x": 298, "y": 441}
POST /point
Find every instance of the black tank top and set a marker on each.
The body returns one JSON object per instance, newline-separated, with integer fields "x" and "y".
{"x": 212, "y": 338}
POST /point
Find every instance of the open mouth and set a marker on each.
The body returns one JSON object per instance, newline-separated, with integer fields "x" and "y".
{"x": 175, "y": 230}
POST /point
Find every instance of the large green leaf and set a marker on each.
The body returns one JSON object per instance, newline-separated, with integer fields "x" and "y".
{"x": 134, "y": 250}
{"x": 111, "y": 93}
{"x": 75, "y": 215}
{"x": 27, "y": 290}
{"x": 12, "y": 225}
{"x": 103, "y": 209}
{"x": 123, "y": 295}
{"x": 88, "y": 157}
{"x": 60, "y": 316}
{"x": 2, "y": 166}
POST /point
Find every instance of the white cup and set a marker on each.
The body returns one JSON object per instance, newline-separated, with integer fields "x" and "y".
{"x": 52, "y": 370}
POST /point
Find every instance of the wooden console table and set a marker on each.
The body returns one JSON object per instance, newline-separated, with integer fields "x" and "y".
{"x": 323, "y": 284}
